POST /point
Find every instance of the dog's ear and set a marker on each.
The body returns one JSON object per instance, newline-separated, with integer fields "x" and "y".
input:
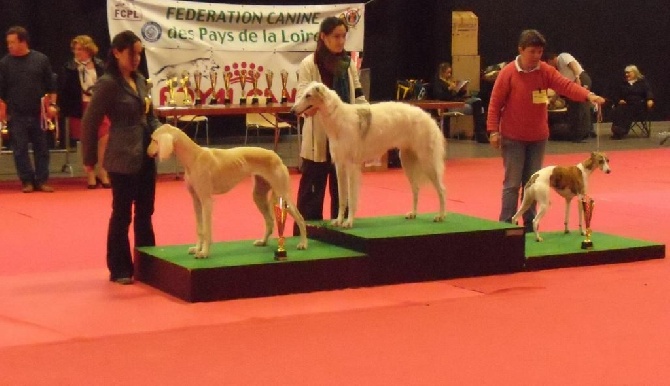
{"x": 165, "y": 146}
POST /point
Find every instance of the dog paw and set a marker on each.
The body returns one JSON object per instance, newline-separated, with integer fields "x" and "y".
{"x": 302, "y": 245}
{"x": 439, "y": 218}
{"x": 192, "y": 250}
{"x": 539, "y": 239}
{"x": 201, "y": 255}
{"x": 336, "y": 222}
{"x": 347, "y": 224}
{"x": 410, "y": 215}
{"x": 260, "y": 243}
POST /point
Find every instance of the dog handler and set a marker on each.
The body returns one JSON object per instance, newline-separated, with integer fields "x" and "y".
{"x": 121, "y": 95}
{"x": 331, "y": 65}
{"x": 518, "y": 119}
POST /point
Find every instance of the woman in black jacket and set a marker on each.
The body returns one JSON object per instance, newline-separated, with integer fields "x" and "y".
{"x": 122, "y": 95}
{"x": 633, "y": 98}
{"x": 75, "y": 88}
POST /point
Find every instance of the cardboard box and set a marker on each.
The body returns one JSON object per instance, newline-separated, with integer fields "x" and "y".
{"x": 467, "y": 67}
{"x": 464, "y": 33}
{"x": 461, "y": 127}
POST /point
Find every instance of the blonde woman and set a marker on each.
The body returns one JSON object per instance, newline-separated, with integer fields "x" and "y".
{"x": 633, "y": 98}
{"x": 75, "y": 90}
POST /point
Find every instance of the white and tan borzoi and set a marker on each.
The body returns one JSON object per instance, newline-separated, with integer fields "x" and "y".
{"x": 567, "y": 181}
{"x": 216, "y": 171}
{"x": 359, "y": 133}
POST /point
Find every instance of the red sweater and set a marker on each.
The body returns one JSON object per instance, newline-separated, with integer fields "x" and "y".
{"x": 512, "y": 111}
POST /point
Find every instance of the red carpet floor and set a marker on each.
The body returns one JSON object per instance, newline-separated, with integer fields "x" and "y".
{"x": 62, "y": 323}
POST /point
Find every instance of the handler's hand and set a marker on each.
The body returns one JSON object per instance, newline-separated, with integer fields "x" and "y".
{"x": 494, "y": 141}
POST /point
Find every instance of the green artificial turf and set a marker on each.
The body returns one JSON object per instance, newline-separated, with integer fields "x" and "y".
{"x": 241, "y": 253}
{"x": 559, "y": 243}
{"x": 398, "y": 226}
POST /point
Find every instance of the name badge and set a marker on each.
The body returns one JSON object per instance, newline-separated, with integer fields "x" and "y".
{"x": 540, "y": 97}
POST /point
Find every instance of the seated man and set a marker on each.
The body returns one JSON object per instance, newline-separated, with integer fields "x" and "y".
{"x": 446, "y": 88}
{"x": 633, "y": 98}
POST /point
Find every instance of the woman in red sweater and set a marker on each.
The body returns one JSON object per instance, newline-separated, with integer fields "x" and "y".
{"x": 517, "y": 117}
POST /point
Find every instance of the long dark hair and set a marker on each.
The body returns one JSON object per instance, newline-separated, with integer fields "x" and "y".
{"x": 122, "y": 40}
{"x": 322, "y": 56}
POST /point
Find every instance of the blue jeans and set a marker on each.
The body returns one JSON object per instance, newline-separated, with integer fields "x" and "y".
{"x": 520, "y": 159}
{"x": 26, "y": 130}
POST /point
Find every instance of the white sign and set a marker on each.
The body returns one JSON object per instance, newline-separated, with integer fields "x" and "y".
{"x": 187, "y": 37}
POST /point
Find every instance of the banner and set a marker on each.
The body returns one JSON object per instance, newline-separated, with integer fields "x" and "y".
{"x": 186, "y": 37}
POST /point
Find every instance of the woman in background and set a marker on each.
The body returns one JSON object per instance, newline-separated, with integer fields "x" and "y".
{"x": 445, "y": 88}
{"x": 121, "y": 94}
{"x": 331, "y": 65}
{"x": 633, "y": 98}
{"x": 75, "y": 90}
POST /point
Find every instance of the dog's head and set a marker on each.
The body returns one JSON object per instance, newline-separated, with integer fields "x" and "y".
{"x": 598, "y": 160}
{"x": 311, "y": 99}
{"x": 162, "y": 142}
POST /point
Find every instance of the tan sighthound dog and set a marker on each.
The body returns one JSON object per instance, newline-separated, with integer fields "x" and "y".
{"x": 359, "y": 133}
{"x": 216, "y": 171}
{"x": 568, "y": 181}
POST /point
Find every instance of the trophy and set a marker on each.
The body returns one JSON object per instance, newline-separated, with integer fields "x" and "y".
{"x": 587, "y": 207}
{"x": 254, "y": 85}
{"x": 184, "y": 87}
{"x": 226, "y": 86}
{"x": 243, "y": 83}
{"x": 284, "y": 82}
{"x": 212, "y": 87}
{"x": 147, "y": 99}
{"x": 171, "y": 82}
{"x": 268, "y": 80}
{"x": 197, "y": 79}
{"x": 280, "y": 217}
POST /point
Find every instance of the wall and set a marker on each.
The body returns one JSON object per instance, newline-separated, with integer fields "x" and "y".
{"x": 407, "y": 39}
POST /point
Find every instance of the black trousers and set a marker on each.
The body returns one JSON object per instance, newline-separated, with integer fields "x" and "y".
{"x": 312, "y": 190}
{"x": 127, "y": 190}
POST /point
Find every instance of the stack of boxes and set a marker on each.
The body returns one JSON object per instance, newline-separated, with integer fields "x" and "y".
{"x": 466, "y": 64}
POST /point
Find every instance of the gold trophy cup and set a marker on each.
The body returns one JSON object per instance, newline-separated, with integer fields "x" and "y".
{"x": 171, "y": 82}
{"x": 254, "y": 85}
{"x": 280, "y": 218}
{"x": 197, "y": 80}
{"x": 243, "y": 84}
{"x": 212, "y": 87}
{"x": 268, "y": 81}
{"x": 284, "y": 83}
{"x": 587, "y": 206}
{"x": 226, "y": 86}
{"x": 184, "y": 81}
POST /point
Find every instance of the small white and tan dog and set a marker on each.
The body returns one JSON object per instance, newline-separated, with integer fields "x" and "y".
{"x": 567, "y": 181}
{"x": 359, "y": 133}
{"x": 216, "y": 171}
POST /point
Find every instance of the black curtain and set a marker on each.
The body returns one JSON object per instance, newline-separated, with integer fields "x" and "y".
{"x": 407, "y": 39}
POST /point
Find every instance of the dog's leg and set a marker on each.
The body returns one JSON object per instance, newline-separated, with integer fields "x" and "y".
{"x": 197, "y": 210}
{"x": 342, "y": 192}
{"x": 568, "y": 201}
{"x": 542, "y": 205}
{"x": 354, "y": 178}
{"x": 410, "y": 165}
{"x": 580, "y": 211}
{"x": 297, "y": 217}
{"x": 525, "y": 205}
{"x": 262, "y": 201}
{"x": 207, "y": 204}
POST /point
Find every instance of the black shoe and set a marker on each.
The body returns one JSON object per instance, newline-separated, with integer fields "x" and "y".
{"x": 27, "y": 187}
{"x": 123, "y": 280}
